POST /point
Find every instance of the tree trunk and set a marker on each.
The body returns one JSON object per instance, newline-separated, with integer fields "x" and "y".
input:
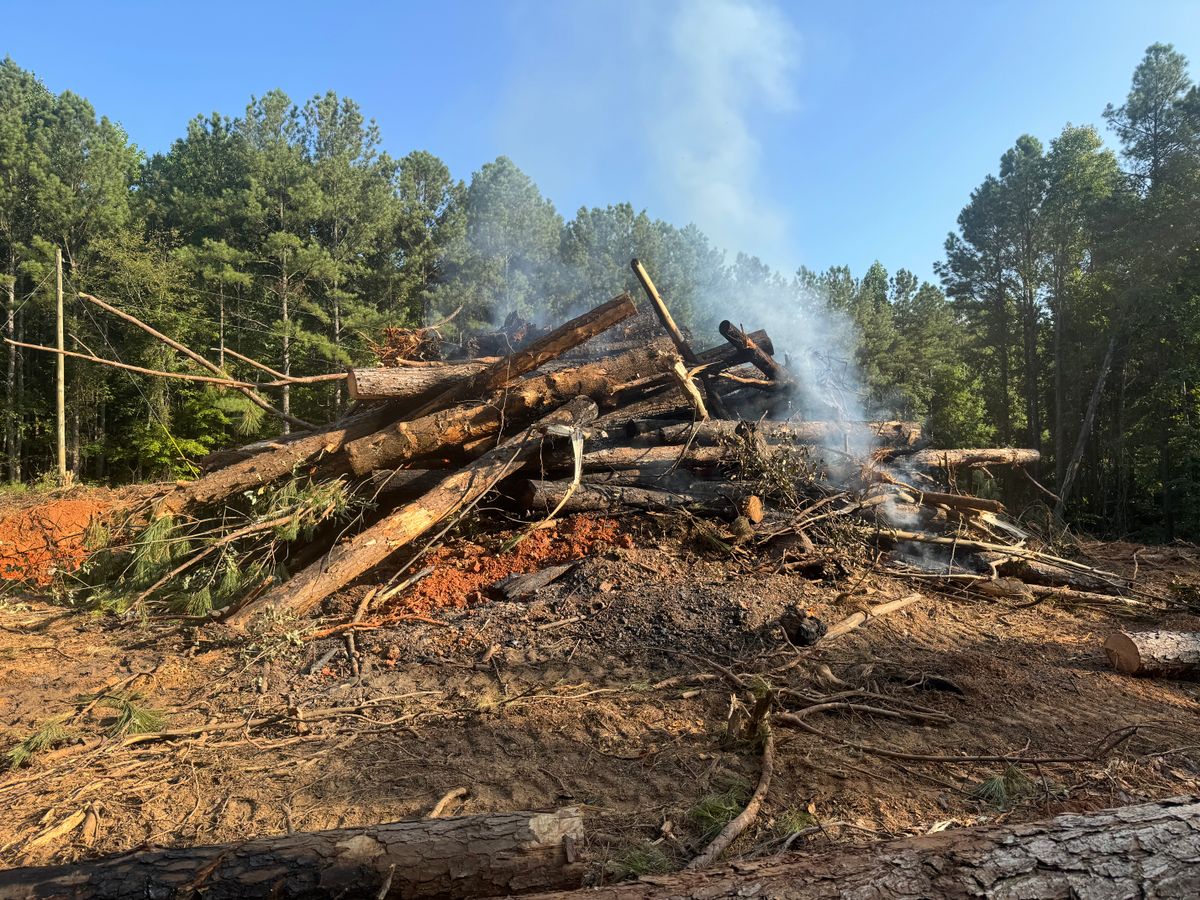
{"x": 639, "y": 457}
{"x": 968, "y": 459}
{"x": 269, "y": 465}
{"x": 10, "y": 387}
{"x": 285, "y": 399}
{"x": 543, "y": 350}
{"x": 373, "y": 545}
{"x": 850, "y": 436}
{"x": 1148, "y": 850}
{"x": 1085, "y": 429}
{"x": 1158, "y": 654}
{"x": 544, "y": 496}
{"x": 512, "y": 406}
{"x": 415, "y": 384}
{"x": 467, "y": 856}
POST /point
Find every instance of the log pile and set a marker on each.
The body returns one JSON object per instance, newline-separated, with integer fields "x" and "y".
{"x": 557, "y": 428}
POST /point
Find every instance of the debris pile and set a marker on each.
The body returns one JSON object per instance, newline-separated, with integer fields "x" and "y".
{"x": 644, "y": 423}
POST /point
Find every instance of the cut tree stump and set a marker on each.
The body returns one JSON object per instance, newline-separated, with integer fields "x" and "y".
{"x": 1148, "y": 850}
{"x": 373, "y": 545}
{"x": 467, "y": 856}
{"x": 1156, "y": 654}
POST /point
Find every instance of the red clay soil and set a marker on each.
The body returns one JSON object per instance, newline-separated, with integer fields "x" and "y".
{"x": 38, "y": 541}
{"x": 462, "y": 573}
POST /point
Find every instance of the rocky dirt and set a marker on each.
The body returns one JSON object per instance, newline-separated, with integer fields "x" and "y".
{"x": 598, "y": 691}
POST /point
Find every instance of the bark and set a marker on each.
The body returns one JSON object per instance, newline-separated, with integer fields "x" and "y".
{"x": 371, "y": 546}
{"x": 414, "y": 384}
{"x": 854, "y": 620}
{"x": 544, "y": 496}
{"x": 958, "y": 501}
{"x": 841, "y": 435}
{"x": 267, "y": 466}
{"x": 1147, "y": 850}
{"x": 513, "y": 406}
{"x": 468, "y": 856}
{"x": 760, "y": 358}
{"x": 638, "y": 457}
{"x": 1034, "y": 571}
{"x": 968, "y": 459}
{"x": 10, "y": 406}
{"x": 1158, "y": 654}
{"x": 551, "y": 346}
{"x": 514, "y": 587}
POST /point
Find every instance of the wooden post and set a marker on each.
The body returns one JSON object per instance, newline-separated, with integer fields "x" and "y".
{"x": 684, "y": 348}
{"x": 60, "y": 370}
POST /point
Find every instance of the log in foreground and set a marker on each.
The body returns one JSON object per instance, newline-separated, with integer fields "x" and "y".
{"x": 1148, "y": 850}
{"x": 1156, "y": 654}
{"x": 373, "y": 545}
{"x": 468, "y": 856}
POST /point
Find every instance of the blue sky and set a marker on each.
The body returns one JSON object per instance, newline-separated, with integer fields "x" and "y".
{"x": 808, "y": 133}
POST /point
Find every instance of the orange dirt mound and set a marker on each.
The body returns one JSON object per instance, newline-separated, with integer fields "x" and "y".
{"x": 461, "y": 573}
{"x": 38, "y": 541}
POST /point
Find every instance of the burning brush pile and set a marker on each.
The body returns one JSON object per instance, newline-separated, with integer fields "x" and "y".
{"x": 645, "y": 422}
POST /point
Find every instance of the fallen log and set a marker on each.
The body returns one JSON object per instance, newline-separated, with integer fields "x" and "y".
{"x": 854, "y": 620}
{"x": 758, "y": 357}
{"x": 544, "y": 496}
{"x": 839, "y": 435}
{"x": 1155, "y": 654}
{"x": 638, "y": 457}
{"x": 1036, "y": 571}
{"x": 968, "y": 459}
{"x": 415, "y": 384}
{"x": 466, "y": 856}
{"x": 513, "y": 406}
{"x": 267, "y": 466}
{"x": 1132, "y": 851}
{"x": 371, "y": 546}
{"x": 543, "y": 350}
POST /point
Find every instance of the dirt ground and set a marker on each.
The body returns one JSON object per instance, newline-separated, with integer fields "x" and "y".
{"x": 599, "y": 691}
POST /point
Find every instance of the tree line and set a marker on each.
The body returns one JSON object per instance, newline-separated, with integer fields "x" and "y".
{"x": 1067, "y": 317}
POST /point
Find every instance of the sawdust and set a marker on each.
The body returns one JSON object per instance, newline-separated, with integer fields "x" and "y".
{"x": 37, "y": 542}
{"x": 463, "y": 572}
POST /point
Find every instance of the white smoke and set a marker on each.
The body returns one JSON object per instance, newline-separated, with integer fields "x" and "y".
{"x": 726, "y": 63}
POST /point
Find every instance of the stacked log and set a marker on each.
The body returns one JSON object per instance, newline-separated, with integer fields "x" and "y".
{"x": 664, "y": 428}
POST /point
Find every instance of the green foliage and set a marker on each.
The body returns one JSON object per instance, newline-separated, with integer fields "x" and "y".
{"x": 644, "y": 859}
{"x": 50, "y": 734}
{"x": 1005, "y": 789}
{"x": 288, "y": 235}
{"x": 131, "y": 716}
{"x": 714, "y": 811}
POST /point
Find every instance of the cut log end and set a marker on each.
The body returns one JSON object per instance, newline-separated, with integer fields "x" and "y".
{"x": 1162, "y": 654}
